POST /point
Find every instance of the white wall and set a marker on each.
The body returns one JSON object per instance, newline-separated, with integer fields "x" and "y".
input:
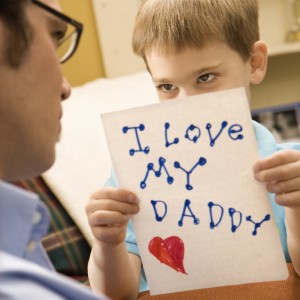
{"x": 115, "y": 20}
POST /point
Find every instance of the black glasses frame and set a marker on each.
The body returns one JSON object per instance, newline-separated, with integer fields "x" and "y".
{"x": 78, "y": 26}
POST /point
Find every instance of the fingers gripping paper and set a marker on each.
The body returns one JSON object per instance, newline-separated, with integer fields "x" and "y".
{"x": 204, "y": 221}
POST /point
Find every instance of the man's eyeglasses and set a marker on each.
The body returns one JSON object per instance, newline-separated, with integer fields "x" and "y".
{"x": 70, "y": 40}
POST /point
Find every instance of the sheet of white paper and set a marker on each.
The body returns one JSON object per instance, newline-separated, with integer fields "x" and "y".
{"x": 190, "y": 162}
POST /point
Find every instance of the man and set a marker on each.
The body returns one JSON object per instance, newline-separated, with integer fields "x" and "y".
{"x": 34, "y": 39}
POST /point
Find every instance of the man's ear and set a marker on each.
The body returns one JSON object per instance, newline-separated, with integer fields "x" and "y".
{"x": 258, "y": 62}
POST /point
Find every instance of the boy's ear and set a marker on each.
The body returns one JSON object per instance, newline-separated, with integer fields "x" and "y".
{"x": 258, "y": 62}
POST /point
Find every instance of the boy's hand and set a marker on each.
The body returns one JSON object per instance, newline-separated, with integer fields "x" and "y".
{"x": 108, "y": 212}
{"x": 281, "y": 174}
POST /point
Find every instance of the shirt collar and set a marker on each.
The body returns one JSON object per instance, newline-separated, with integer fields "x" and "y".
{"x": 17, "y": 213}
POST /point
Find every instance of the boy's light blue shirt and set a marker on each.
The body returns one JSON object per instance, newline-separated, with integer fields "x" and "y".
{"x": 25, "y": 270}
{"x": 266, "y": 146}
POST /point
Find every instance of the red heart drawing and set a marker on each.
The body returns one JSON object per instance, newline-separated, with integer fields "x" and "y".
{"x": 169, "y": 251}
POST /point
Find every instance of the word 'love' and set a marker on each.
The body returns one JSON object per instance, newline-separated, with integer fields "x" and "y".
{"x": 192, "y": 134}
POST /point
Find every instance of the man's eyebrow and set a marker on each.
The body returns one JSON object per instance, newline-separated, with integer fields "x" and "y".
{"x": 56, "y": 22}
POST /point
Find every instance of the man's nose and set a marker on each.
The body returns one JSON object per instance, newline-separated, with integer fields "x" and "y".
{"x": 66, "y": 90}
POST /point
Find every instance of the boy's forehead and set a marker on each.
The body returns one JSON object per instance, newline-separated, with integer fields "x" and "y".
{"x": 167, "y": 66}
{"x": 191, "y": 61}
{"x": 169, "y": 50}
{"x": 169, "y": 53}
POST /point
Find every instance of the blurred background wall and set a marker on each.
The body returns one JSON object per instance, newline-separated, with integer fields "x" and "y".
{"x": 86, "y": 64}
{"x": 105, "y": 49}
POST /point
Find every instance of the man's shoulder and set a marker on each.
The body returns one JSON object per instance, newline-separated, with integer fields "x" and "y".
{"x": 22, "y": 279}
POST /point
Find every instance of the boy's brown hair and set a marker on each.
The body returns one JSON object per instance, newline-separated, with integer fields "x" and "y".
{"x": 172, "y": 25}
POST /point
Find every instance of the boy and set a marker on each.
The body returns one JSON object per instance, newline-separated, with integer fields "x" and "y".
{"x": 193, "y": 47}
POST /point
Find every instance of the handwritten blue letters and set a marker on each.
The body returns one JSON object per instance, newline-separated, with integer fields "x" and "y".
{"x": 192, "y": 134}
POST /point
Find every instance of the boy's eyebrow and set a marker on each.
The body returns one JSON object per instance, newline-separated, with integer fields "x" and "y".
{"x": 163, "y": 79}
{"x": 204, "y": 69}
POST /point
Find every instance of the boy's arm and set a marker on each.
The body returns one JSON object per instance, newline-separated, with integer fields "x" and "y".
{"x": 293, "y": 235}
{"x": 112, "y": 270}
{"x": 281, "y": 174}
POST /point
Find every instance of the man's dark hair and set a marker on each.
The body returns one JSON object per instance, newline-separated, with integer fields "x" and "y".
{"x": 12, "y": 14}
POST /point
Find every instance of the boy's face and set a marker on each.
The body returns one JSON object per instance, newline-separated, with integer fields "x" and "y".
{"x": 215, "y": 67}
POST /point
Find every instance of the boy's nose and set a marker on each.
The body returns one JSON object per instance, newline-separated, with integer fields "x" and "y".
{"x": 188, "y": 92}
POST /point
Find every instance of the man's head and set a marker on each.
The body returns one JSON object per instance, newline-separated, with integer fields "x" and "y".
{"x": 32, "y": 85}
{"x": 172, "y": 25}
{"x": 198, "y": 46}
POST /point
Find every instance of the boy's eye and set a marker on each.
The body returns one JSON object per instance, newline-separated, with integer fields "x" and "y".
{"x": 206, "y": 77}
{"x": 166, "y": 87}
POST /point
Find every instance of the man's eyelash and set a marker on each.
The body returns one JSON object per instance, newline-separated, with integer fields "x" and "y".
{"x": 59, "y": 34}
